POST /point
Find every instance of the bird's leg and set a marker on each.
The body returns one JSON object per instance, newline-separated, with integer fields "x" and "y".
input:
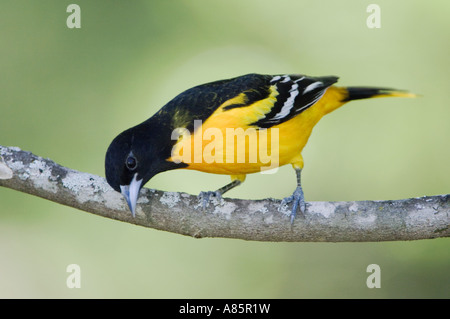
{"x": 298, "y": 198}
{"x": 206, "y": 196}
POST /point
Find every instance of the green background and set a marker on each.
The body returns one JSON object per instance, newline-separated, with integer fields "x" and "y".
{"x": 66, "y": 93}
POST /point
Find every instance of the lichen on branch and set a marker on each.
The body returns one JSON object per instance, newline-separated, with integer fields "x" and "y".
{"x": 259, "y": 220}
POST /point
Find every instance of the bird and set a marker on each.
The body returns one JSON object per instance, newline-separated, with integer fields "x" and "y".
{"x": 224, "y": 127}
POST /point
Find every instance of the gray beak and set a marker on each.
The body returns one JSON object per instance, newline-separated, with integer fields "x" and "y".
{"x": 131, "y": 193}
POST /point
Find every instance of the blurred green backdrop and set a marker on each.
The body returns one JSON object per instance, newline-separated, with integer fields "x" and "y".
{"x": 66, "y": 93}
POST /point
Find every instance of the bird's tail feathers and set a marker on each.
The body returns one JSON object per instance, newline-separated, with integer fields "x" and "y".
{"x": 358, "y": 93}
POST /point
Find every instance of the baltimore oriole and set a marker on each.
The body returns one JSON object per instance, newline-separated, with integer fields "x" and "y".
{"x": 224, "y": 127}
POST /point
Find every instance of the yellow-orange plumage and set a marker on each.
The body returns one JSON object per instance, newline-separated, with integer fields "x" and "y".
{"x": 292, "y": 136}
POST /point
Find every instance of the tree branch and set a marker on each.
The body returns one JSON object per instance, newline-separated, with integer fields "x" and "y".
{"x": 260, "y": 220}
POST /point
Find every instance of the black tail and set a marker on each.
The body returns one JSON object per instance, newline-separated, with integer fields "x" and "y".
{"x": 358, "y": 93}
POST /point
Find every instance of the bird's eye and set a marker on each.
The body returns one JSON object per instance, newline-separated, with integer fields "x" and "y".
{"x": 131, "y": 163}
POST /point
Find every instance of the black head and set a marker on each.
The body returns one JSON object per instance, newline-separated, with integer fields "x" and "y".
{"x": 132, "y": 159}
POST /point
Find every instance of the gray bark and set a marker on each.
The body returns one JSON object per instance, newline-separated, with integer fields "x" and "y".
{"x": 259, "y": 220}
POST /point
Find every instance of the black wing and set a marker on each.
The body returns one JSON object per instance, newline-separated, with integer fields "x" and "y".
{"x": 295, "y": 93}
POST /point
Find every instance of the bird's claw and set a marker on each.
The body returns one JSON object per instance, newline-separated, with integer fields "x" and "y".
{"x": 206, "y": 197}
{"x": 298, "y": 202}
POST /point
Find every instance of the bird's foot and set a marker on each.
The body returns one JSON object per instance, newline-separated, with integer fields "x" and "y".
{"x": 298, "y": 202}
{"x": 206, "y": 197}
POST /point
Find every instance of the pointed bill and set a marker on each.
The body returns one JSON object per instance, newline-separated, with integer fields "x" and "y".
{"x": 131, "y": 193}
